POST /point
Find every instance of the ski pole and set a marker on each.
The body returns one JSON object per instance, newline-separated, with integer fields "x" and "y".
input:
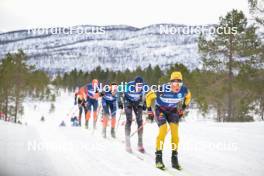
{"x": 138, "y": 129}
{"x": 98, "y": 111}
{"x": 120, "y": 115}
{"x": 168, "y": 131}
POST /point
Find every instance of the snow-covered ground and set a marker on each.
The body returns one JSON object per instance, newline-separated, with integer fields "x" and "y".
{"x": 43, "y": 148}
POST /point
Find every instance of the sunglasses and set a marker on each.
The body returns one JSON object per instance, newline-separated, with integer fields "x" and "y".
{"x": 139, "y": 85}
{"x": 176, "y": 81}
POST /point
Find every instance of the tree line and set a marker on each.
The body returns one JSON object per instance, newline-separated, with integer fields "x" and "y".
{"x": 19, "y": 81}
{"x": 231, "y": 81}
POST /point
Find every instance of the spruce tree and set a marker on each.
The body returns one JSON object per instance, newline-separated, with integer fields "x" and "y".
{"x": 225, "y": 52}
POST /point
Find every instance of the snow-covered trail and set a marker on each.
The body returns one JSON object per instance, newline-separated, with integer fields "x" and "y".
{"x": 87, "y": 153}
{"x": 206, "y": 148}
{"x": 15, "y": 158}
{"x": 48, "y": 150}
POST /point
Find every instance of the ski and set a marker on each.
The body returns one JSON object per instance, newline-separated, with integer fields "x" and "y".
{"x": 168, "y": 170}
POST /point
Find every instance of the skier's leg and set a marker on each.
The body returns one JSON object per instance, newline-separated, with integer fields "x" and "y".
{"x": 113, "y": 122}
{"x": 88, "y": 113}
{"x": 85, "y": 108}
{"x": 105, "y": 118}
{"x": 174, "y": 126}
{"x": 80, "y": 114}
{"x": 161, "y": 137}
{"x": 128, "y": 112}
{"x": 175, "y": 142}
{"x": 113, "y": 119}
{"x": 174, "y": 135}
{"x": 162, "y": 123}
{"x": 105, "y": 122}
{"x": 159, "y": 145}
{"x": 95, "y": 107}
{"x": 138, "y": 111}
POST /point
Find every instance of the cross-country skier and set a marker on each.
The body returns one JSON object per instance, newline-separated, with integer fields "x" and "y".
{"x": 75, "y": 121}
{"x": 109, "y": 104}
{"x": 80, "y": 99}
{"x": 42, "y": 119}
{"x": 92, "y": 102}
{"x": 62, "y": 124}
{"x": 170, "y": 103}
{"x": 134, "y": 102}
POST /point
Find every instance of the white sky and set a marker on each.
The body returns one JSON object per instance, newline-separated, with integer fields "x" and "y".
{"x": 23, "y": 14}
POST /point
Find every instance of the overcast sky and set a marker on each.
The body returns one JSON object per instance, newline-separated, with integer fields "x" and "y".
{"x": 24, "y": 14}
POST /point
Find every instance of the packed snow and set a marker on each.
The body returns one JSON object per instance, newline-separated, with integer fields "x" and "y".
{"x": 44, "y": 148}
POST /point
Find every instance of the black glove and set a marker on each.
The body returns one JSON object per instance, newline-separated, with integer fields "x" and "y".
{"x": 150, "y": 115}
{"x": 144, "y": 107}
{"x": 101, "y": 94}
{"x": 181, "y": 113}
{"x": 75, "y": 99}
{"x": 120, "y": 105}
{"x": 184, "y": 106}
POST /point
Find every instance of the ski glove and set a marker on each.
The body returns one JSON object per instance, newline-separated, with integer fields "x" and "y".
{"x": 120, "y": 105}
{"x": 150, "y": 115}
{"x": 144, "y": 107}
{"x": 101, "y": 94}
{"x": 184, "y": 106}
{"x": 181, "y": 113}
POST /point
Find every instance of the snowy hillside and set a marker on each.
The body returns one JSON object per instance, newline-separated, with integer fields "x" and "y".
{"x": 117, "y": 48}
{"x": 206, "y": 148}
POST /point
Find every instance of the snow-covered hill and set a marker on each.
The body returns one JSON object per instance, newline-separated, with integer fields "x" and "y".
{"x": 206, "y": 148}
{"x": 117, "y": 47}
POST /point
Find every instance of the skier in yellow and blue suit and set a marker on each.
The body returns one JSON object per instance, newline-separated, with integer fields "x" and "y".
{"x": 170, "y": 103}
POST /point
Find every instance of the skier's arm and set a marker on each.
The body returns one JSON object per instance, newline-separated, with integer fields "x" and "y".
{"x": 120, "y": 100}
{"x": 187, "y": 100}
{"x": 150, "y": 98}
{"x": 75, "y": 98}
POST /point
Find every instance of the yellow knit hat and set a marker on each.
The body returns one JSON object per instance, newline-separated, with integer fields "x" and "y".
{"x": 176, "y": 75}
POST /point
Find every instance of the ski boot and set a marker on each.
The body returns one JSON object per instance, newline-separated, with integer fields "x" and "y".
{"x": 104, "y": 132}
{"x": 140, "y": 144}
{"x": 129, "y": 149}
{"x": 113, "y": 134}
{"x": 159, "y": 162}
{"x": 174, "y": 160}
{"x": 141, "y": 149}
